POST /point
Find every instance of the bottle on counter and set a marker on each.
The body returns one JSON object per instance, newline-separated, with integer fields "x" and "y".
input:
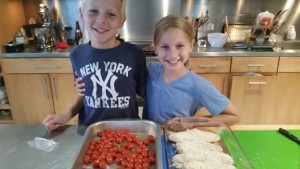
{"x": 291, "y": 33}
{"x": 78, "y": 34}
{"x": 24, "y": 35}
{"x": 19, "y": 39}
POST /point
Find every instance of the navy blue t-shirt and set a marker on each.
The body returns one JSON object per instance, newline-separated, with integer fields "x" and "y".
{"x": 113, "y": 78}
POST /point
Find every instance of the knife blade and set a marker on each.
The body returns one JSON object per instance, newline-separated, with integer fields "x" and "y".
{"x": 289, "y": 135}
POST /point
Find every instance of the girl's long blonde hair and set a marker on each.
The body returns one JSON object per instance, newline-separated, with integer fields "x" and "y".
{"x": 174, "y": 22}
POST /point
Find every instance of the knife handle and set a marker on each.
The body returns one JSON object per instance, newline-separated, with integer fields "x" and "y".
{"x": 289, "y": 135}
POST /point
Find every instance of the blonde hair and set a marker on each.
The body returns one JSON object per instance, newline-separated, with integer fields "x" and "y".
{"x": 174, "y": 22}
{"x": 123, "y": 8}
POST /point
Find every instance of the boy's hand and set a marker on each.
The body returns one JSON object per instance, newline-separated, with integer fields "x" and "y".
{"x": 53, "y": 121}
{"x": 79, "y": 85}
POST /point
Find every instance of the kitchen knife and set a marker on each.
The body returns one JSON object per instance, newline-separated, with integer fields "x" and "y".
{"x": 289, "y": 135}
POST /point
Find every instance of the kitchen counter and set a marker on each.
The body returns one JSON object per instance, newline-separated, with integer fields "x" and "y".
{"x": 227, "y": 51}
{"x": 17, "y": 153}
{"x": 31, "y": 51}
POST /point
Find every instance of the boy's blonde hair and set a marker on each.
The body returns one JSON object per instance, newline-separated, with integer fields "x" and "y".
{"x": 174, "y": 22}
{"x": 123, "y": 8}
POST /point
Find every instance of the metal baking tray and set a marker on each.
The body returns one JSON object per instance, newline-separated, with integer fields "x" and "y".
{"x": 228, "y": 142}
{"x": 140, "y": 127}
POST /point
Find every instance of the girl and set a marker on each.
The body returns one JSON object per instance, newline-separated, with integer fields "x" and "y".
{"x": 174, "y": 91}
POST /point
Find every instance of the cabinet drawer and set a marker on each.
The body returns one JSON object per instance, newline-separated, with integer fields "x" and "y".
{"x": 254, "y": 64}
{"x": 289, "y": 64}
{"x": 36, "y": 65}
{"x": 211, "y": 65}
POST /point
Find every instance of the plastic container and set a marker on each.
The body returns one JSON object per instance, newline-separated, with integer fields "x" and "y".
{"x": 265, "y": 19}
{"x": 291, "y": 33}
{"x": 19, "y": 38}
{"x": 217, "y": 39}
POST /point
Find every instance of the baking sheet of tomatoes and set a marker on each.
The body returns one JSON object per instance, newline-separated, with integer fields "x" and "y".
{"x": 121, "y": 144}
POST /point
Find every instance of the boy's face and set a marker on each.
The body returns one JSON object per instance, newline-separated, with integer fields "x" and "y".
{"x": 102, "y": 19}
{"x": 173, "y": 49}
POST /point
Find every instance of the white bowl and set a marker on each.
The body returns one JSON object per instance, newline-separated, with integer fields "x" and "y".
{"x": 217, "y": 39}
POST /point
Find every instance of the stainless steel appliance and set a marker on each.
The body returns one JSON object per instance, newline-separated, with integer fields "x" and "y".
{"x": 44, "y": 37}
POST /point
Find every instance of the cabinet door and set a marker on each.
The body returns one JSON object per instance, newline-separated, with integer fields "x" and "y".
{"x": 64, "y": 93}
{"x": 255, "y": 98}
{"x": 220, "y": 81}
{"x": 30, "y": 97}
{"x": 288, "y": 107}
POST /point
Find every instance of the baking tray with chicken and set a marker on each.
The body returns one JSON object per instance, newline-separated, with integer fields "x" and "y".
{"x": 115, "y": 144}
{"x": 211, "y": 146}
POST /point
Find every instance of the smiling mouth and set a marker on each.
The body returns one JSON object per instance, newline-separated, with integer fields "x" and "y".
{"x": 100, "y": 30}
{"x": 173, "y": 61}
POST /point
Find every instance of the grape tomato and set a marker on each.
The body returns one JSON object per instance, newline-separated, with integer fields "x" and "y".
{"x": 120, "y": 148}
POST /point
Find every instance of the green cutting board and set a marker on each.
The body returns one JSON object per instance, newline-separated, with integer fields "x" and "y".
{"x": 268, "y": 149}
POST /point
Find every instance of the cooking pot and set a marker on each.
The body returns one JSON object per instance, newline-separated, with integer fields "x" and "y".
{"x": 44, "y": 38}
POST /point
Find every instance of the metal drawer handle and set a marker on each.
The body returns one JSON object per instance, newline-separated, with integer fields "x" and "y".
{"x": 207, "y": 66}
{"x": 46, "y": 67}
{"x": 255, "y": 65}
{"x": 257, "y": 83}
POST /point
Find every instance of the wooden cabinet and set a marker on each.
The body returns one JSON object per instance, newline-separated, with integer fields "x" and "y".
{"x": 254, "y": 88}
{"x": 40, "y": 86}
{"x": 288, "y": 105}
{"x": 37, "y": 87}
{"x": 5, "y": 111}
{"x": 214, "y": 69}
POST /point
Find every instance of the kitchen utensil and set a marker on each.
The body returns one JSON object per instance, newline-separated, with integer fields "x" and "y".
{"x": 198, "y": 23}
{"x": 276, "y": 26}
{"x": 289, "y": 135}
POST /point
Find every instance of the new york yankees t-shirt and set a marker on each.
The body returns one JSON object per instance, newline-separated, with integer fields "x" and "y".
{"x": 113, "y": 78}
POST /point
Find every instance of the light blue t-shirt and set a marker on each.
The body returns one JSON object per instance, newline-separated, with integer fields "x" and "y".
{"x": 182, "y": 97}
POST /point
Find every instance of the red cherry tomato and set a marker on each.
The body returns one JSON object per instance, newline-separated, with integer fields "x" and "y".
{"x": 150, "y": 138}
{"x": 102, "y": 164}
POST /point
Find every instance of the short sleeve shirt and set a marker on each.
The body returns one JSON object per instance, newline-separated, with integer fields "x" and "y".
{"x": 113, "y": 78}
{"x": 182, "y": 97}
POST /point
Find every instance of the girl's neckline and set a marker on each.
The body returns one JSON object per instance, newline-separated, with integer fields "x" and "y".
{"x": 168, "y": 80}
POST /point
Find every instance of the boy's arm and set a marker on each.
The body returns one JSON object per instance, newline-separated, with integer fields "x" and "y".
{"x": 74, "y": 109}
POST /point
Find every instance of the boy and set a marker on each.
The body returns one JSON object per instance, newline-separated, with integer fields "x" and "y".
{"x": 113, "y": 72}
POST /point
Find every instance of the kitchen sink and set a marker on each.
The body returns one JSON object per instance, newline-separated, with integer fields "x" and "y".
{"x": 291, "y": 45}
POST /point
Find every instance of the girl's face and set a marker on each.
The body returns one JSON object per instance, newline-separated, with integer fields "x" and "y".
{"x": 102, "y": 19}
{"x": 173, "y": 49}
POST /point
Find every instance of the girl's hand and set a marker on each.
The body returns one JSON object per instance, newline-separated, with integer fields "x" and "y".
{"x": 176, "y": 125}
{"x": 185, "y": 123}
